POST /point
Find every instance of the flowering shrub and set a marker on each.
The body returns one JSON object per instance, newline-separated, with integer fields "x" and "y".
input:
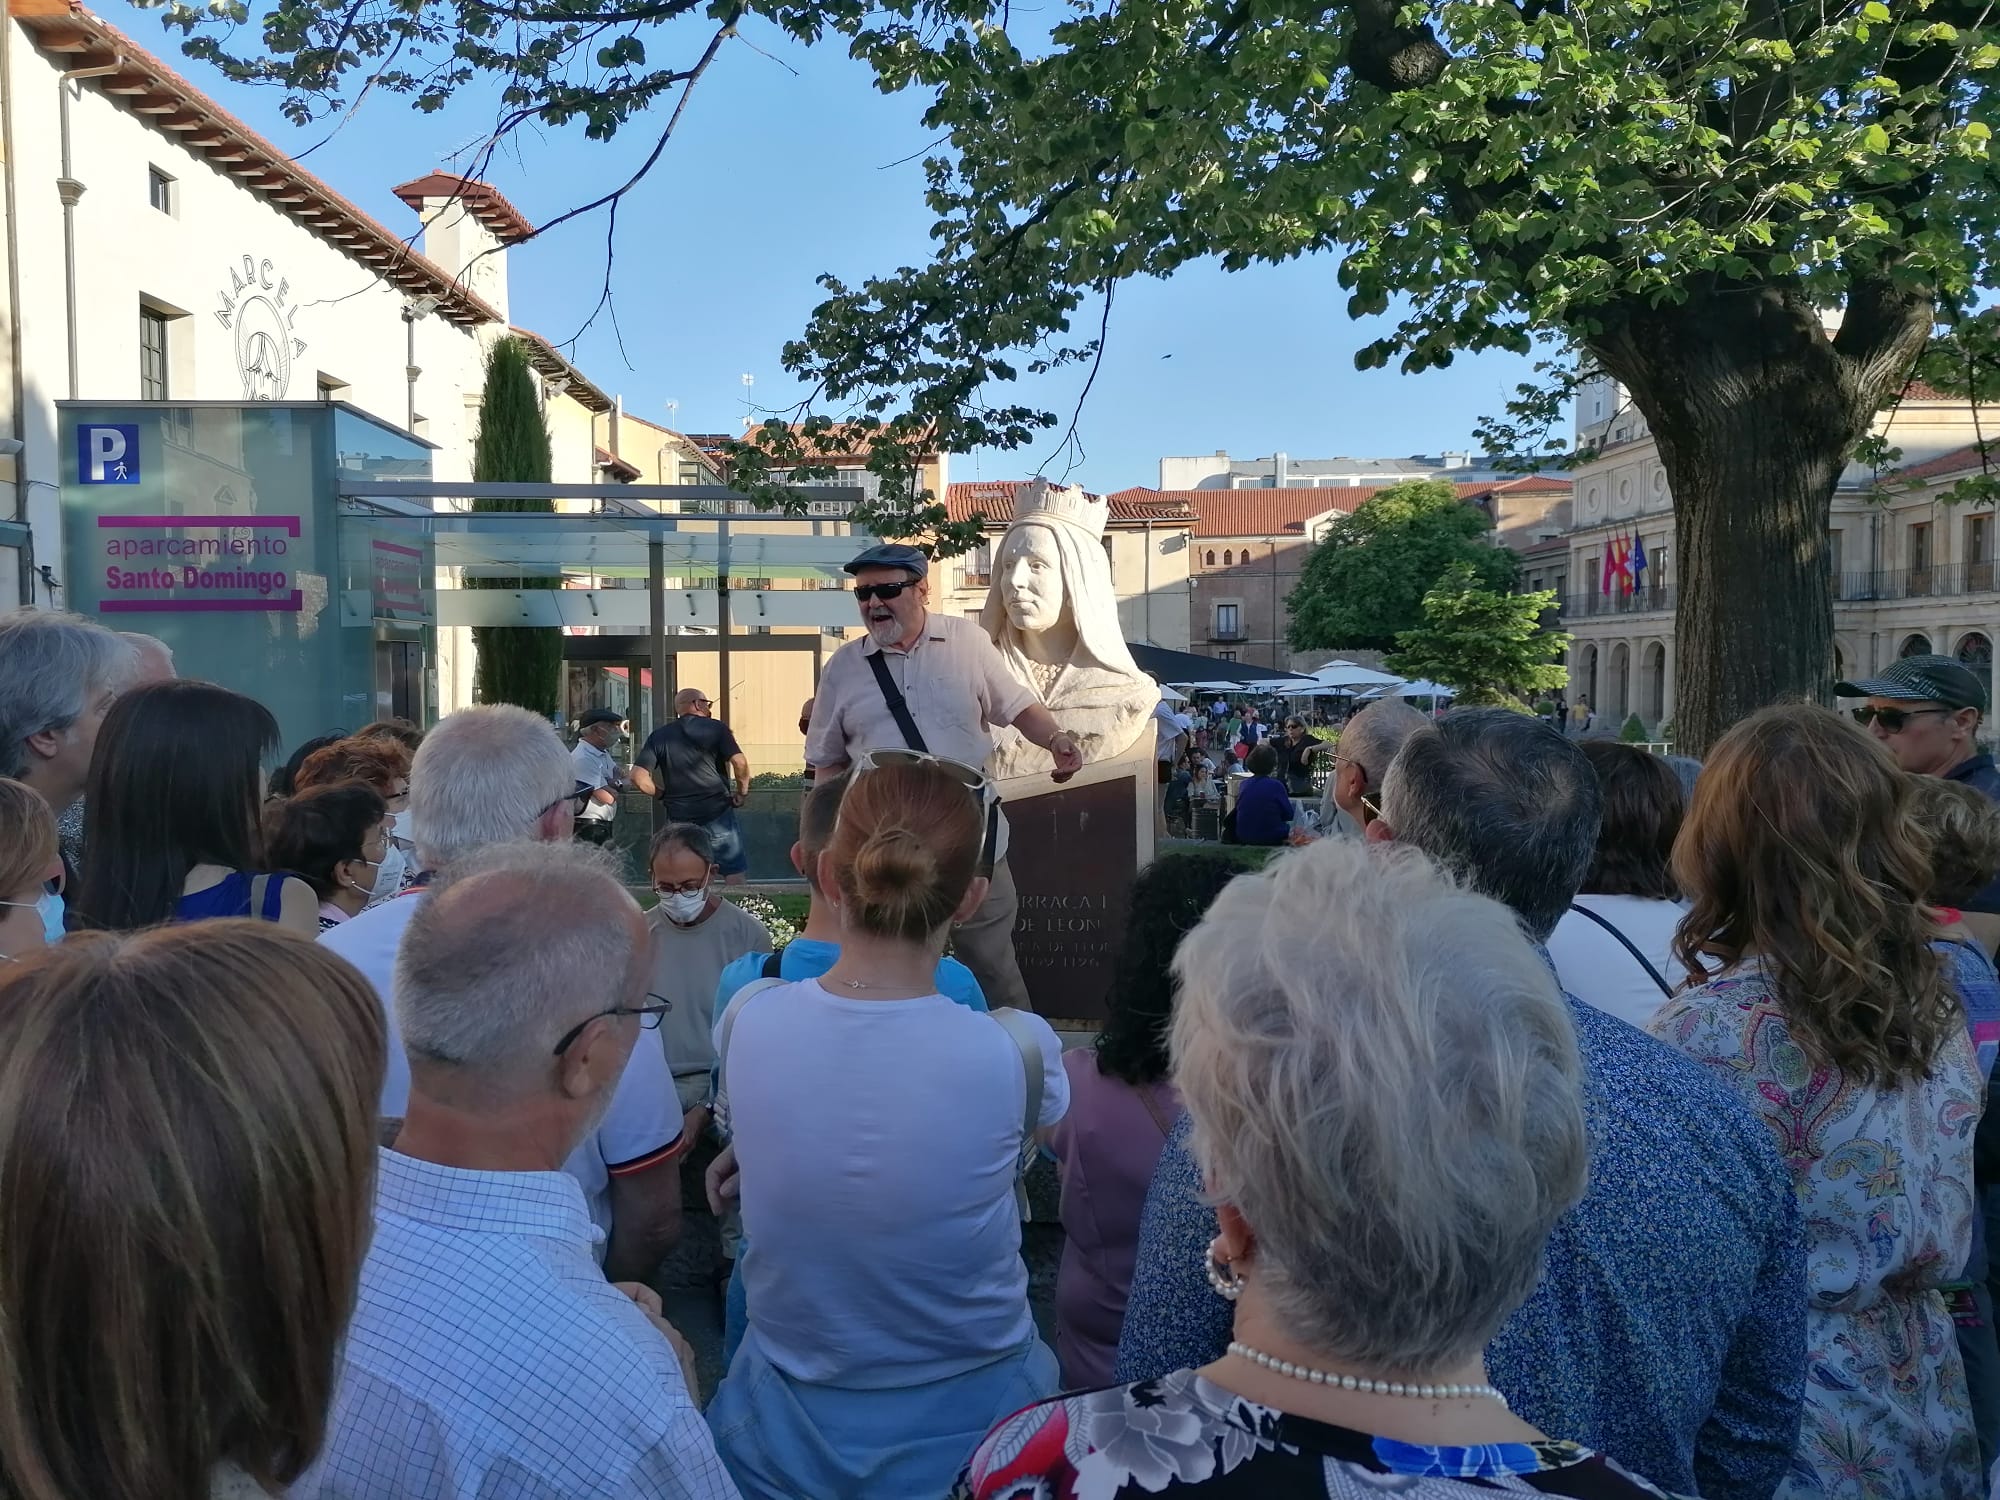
{"x": 765, "y": 910}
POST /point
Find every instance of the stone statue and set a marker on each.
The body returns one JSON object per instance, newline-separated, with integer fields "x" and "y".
{"x": 1053, "y": 614}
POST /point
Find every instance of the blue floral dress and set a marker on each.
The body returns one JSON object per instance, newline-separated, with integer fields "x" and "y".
{"x": 1884, "y": 1176}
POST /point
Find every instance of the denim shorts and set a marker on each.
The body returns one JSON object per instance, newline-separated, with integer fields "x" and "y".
{"x": 727, "y": 835}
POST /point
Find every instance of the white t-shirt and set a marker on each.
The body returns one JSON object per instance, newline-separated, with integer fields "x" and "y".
{"x": 878, "y": 1141}
{"x": 1594, "y": 966}
{"x": 645, "y": 1115}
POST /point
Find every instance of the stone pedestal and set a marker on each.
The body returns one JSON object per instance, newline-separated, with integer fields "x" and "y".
{"x": 1074, "y": 850}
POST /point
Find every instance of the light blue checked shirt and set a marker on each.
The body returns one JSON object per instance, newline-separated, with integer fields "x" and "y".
{"x": 489, "y": 1358}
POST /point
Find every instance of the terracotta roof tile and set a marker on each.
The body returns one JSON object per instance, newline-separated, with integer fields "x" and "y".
{"x": 994, "y": 499}
{"x": 482, "y": 200}
{"x": 1958, "y": 461}
{"x": 204, "y": 129}
{"x": 1271, "y": 512}
{"x": 544, "y": 357}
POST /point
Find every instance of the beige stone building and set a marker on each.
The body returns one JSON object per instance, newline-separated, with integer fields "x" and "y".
{"x": 1910, "y": 574}
{"x": 1250, "y": 545}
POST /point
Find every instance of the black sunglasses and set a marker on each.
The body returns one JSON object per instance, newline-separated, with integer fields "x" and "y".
{"x": 649, "y": 1019}
{"x": 1892, "y": 719}
{"x": 866, "y": 591}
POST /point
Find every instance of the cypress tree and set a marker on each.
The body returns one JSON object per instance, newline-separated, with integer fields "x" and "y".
{"x": 514, "y": 663}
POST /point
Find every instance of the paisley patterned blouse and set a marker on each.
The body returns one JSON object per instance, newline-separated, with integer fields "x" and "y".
{"x": 1884, "y": 1175}
{"x": 1181, "y": 1435}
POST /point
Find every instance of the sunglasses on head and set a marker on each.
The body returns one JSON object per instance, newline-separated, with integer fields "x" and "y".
{"x": 1892, "y": 719}
{"x": 866, "y": 591}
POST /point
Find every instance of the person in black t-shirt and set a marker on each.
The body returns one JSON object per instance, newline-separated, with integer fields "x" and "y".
{"x": 1295, "y": 749}
{"x": 689, "y": 766}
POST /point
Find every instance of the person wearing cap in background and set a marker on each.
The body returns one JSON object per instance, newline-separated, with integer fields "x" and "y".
{"x": 956, "y": 688}
{"x": 598, "y": 731}
{"x": 1926, "y": 712}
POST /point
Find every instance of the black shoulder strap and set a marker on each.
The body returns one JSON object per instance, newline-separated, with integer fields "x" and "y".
{"x": 774, "y": 965}
{"x": 1627, "y": 944}
{"x": 898, "y": 709}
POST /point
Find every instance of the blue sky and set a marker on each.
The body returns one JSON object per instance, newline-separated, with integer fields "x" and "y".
{"x": 786, "y": 166}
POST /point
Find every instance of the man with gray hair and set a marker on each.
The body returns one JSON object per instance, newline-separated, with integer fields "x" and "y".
{"x": 1668, "y": 1330}
{"x": 59, "y": 674}
{"x": 495, "y": 775}
{"x": 486, "y": 1355}
{"x": 1368, "y": 743}
{"x": 152, "y": 661}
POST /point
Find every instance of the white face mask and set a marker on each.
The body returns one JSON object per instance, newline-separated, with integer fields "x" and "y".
{"x": 682, "y": 907}
{"x": 388, "y": 876}
{"x": 399, "y": 826}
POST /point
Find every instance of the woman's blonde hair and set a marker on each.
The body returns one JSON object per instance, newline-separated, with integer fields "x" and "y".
{"x": 1800, "y": 851}
{"x": 187, "y": 1151}
{"x": 28, "y": 844}
{"x": 905, "y": 849}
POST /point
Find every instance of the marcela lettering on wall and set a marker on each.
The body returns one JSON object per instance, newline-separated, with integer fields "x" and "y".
{"x": 227, "y": 574}
{"x": 258, "y": 309}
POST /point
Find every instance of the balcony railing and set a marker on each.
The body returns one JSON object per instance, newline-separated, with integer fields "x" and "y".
{"x": 1645, "y": 601}
{"x": 1228, "y": 633}
{"x": 1939, "y": 582}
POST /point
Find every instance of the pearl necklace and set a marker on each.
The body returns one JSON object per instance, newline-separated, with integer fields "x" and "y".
{"x": 1363, "y": 1383}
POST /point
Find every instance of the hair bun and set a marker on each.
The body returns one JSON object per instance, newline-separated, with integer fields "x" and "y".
{"x": 893, "y": 863}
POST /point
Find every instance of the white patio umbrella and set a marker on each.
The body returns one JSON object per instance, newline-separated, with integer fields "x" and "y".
{"x": 1422, "y": 689}
{"x": 1170, "y": 695}
{"x": 1344, "y": 676}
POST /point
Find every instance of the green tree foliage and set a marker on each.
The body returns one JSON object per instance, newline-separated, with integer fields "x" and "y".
{"x": 1677, "y": 192}
{"x": 1487, "y": 644}
{"x": 514, "y": 663}
{"x": 1365, "y": 581}
{"x": 1633, "y": 732}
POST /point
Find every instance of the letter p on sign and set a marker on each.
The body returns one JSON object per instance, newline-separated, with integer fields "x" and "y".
{"x": 107, "y": 453}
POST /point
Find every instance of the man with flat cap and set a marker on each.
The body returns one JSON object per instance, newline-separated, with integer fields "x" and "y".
{"x": 597, "y": 731}
{"x": 934, "y": 683}
{"x": 1926, "y": 711}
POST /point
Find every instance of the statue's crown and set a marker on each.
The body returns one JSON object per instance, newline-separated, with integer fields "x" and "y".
{"x": 1039, "y": 500}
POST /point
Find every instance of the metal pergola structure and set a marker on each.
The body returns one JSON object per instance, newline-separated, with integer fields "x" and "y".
{"x": 615, "y": 562}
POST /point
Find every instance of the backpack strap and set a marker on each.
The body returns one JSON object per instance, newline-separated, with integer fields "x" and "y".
{"x": 1630, "y": 947}
{"x": 1017, "y": 1025}
{"x": 724, "y": 1028}
{"x": 774, "y": 964}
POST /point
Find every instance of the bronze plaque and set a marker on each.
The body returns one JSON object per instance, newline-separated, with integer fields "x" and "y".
{"x": 1073, "y": 852}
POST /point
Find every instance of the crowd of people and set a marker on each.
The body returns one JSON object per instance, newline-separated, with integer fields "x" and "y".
{"x": 1562, "y": 1120}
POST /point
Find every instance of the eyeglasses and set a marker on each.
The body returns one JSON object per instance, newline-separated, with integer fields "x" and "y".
{"x": 885, "y": 591}
{"x": 576, "y": 800}
{"x": 649, "y": 1016}
{"x": 1892, "y": 720}
{"x": 685, "y": 888}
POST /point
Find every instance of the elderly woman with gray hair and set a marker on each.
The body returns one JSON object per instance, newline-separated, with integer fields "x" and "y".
{"x": 1388, "y": 1136}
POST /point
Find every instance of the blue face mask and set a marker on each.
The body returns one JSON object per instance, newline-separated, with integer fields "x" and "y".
{"x": 50, "y": 906}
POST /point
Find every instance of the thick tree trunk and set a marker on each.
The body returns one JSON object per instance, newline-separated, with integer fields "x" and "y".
{"x": 1754, "y": 410}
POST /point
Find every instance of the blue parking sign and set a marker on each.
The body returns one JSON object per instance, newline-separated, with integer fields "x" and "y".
{"x": 107, "y": 453}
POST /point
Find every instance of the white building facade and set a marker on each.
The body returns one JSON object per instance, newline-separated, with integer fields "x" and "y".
{"x": 1910, "y": 574}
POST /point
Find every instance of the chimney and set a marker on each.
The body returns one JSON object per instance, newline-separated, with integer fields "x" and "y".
{"x": 1281, "y": 468}
{"x": 616, "y": 423}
